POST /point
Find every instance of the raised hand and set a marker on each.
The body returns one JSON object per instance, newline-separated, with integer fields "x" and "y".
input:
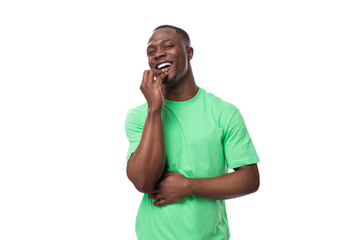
{"x": 154, "y": 90}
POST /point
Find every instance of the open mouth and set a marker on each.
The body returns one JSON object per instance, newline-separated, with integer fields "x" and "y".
{"x": 165, "y": 65}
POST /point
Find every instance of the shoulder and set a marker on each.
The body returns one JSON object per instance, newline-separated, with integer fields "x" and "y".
{"x": 137, "y": 113}
{"x": 222, "y": 111}
{"x": 219, "y": 106}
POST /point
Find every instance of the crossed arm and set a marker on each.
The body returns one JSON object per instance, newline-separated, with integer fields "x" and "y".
{"x": 174, "y": 186}
{"x": 146, "y": 165}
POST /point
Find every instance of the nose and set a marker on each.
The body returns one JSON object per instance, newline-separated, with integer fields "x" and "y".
{"x": 159, "y": 54}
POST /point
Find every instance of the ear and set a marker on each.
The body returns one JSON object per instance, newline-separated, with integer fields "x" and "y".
{"x": 190, "y": 52}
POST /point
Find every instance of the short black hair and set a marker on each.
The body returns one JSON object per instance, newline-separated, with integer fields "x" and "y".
{"x": 178, "y": 30}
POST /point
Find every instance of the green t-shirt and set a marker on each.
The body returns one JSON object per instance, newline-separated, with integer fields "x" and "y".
{"x": 204, "y": 137}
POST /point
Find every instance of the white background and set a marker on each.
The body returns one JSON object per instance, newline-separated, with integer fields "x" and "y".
{"x": 70, "y": 71}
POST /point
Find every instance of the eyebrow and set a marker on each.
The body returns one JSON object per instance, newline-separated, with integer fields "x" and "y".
{"x": 161, "y": 43}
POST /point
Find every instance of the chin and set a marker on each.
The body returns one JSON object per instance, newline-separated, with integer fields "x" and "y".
{"x": 168, "y": 79}
{"x": 172, "y": 82}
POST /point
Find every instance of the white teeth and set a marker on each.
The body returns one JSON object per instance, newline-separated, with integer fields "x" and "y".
{"x": 163, "y": 65}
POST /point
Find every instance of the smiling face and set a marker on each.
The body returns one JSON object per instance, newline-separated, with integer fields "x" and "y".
{"x": 168, "y": 50}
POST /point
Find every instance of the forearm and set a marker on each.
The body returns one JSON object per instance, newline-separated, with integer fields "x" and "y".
{"x": 146, "y": 165}
{"x": 236, "y": 184}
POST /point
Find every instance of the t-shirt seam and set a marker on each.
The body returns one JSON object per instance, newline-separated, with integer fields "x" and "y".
{"x": 227, "y": 128}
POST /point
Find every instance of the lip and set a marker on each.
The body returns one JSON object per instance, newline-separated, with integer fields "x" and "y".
{"x": 167, "y": 69}
{"x": 157, "y": 64}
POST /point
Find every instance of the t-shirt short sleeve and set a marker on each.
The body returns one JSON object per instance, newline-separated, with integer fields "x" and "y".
{"x": 134, "y": 125}
{"x": 238, "y": 147}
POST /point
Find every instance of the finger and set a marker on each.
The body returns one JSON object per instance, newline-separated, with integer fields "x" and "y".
{"x": 150, "y": 79}
{"x": 155, "y": 191}
{"x": 155, "y": 196}
{"x": 161, "y": 77}
{"x": 157, "y": 72}
{"x": 160, "y": 203}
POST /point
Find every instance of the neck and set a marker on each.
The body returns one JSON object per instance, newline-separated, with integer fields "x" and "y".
{"x": 185, "y": 90}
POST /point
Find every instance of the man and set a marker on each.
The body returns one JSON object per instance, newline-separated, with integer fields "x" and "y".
{"x": 182, "y": 143}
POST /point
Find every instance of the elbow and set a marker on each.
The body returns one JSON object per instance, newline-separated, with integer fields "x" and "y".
{"x": 255, "y": 187}
{"x": 144, "y": 187}
{"x": 255, "y": 184}
{"x": 252, "y": 188}
{"x": 252, "y": 183}
{"x": 145, "y": 180}
{"x": 141, "y": 183}
{"x": 254, "y": 178}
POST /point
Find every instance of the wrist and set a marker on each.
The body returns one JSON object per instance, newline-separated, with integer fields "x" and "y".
{"x": 190, "y": 186}
{"x": 152, "y": 110}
